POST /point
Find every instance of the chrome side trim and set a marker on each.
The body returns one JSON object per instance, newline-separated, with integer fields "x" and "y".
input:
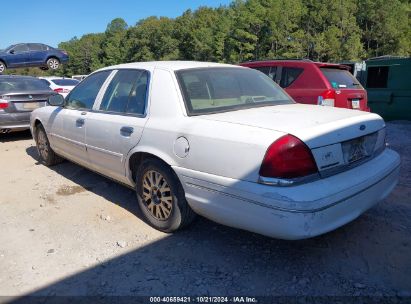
{"x": 68, "y": 140}
{"x": 118, "y": 155}
{"x": 284, "y": 182}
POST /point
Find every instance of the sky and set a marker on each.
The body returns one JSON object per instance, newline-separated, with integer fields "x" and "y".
{"x": 54, "y": 21}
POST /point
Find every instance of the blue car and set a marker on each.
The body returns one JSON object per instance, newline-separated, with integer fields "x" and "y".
{"x": 32, "y": 55}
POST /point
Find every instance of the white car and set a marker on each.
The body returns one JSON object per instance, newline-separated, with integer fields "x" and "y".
{"x": 60, "y": 85}
{"x": 221, "y": 141}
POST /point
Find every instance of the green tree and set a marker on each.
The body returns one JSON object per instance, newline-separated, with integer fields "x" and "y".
{"x": 203, "y": 34}
{"x": 152, "y": 39}
{"x": 84, "y": 53}
{"x": 386, "y": 27}
{"x": 248, "y": 28}
{"x": 112, "y": 45}
{"x": 332, "y": 29}
{"x": 285, "y": 38}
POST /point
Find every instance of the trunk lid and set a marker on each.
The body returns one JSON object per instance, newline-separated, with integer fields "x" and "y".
{"x": 315, "y": 125}
{"x": 25, "y": 102}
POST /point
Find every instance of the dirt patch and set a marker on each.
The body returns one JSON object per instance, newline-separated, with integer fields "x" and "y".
{"x": 71, "y": 190}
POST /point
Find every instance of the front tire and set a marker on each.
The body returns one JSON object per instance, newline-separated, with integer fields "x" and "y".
{"x": 46, "y": 153}
{"x": 161, "y": 197}
{"x": 2, "y": 67}
{"x": 53, "y": 63}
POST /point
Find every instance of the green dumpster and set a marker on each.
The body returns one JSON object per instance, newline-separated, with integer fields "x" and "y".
{"x": 388, "y": 83}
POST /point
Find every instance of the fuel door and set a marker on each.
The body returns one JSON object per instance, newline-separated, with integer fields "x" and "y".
{"x": 181, "y": 147}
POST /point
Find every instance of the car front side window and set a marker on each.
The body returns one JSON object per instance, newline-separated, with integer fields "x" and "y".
{"x": 85, "y": 93}
{"x": 20, "y": 48}
{"x": 126, "y": 93}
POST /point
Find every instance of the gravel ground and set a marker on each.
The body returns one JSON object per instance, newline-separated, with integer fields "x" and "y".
{"x": 67, "y": 231}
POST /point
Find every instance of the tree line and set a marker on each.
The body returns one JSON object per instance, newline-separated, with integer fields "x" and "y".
{"x": 321, "y": 30}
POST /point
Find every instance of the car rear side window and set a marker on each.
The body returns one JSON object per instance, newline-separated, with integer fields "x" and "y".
{"x": 84, "y": 95}
{"x": 36, "y": 47}
{"x": 289, "y": 75}
{"x": 340, "y": 79}
{"x": 126, "y": 93}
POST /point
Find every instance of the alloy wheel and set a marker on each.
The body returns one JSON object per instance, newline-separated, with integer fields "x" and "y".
{"x": 2, "y": 67}
{"x": 157, "y": 195}
{"x": 53, "y": 64}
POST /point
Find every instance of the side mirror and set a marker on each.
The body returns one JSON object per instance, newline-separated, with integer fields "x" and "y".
{"x": 56, "y": 100}
{"x": 11, "y": 52}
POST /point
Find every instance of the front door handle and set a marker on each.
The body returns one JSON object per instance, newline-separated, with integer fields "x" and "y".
{"x": 80, "y": 122}
{"x": 126, "y": 131}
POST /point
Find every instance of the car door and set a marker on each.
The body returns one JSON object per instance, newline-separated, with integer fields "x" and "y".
{"x": 18, "y": 56}
{"x": 68, "y": 128}
{"x": 117, "y": 123}
{"x": 36, "y": 53}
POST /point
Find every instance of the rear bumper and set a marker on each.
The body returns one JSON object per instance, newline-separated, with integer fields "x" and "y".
{"x": 15, "y": 121}
{"x": 295, "y": 212}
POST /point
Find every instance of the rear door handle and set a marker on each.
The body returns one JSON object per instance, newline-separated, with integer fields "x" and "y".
{"x": 126, "y": 131}
{"x": 80, "y": 122}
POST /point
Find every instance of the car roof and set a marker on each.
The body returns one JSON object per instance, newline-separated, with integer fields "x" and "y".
{"x": 168, "y": 65}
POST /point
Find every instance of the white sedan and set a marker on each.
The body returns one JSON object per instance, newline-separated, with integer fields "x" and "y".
{"x": 60, "y": 85}
{"x": 221, "y": 141}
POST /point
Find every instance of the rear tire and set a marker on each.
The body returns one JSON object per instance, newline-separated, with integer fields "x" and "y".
{"x": 161, "y": 197}
{"x": 53, "y": 63}
{"x": 2, "y": 67}
{"x": 46, "y": 153}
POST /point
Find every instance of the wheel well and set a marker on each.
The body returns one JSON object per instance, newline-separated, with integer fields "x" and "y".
{"x": 5, "y": 64}
{"x": 55, "y": 57}
{"x": 137, "y": 158}
{"x": 36, "y": 124}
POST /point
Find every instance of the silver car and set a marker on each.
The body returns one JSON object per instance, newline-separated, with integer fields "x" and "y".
{"x": 19, "y": 96}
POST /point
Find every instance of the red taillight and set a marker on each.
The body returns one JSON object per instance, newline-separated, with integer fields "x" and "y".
{"x": 288, "y": 157}
{"x": 327, "y": 98}
{"x": 4, "y": 104}
{"x": 61, "y": 90}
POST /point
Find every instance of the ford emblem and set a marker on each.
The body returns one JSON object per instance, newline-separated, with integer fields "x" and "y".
{"x": 362, "y": 127}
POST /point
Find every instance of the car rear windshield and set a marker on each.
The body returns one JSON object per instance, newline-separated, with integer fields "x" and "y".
{"x": 66, "y": 82}
{"x": 340, "y": 79}
{"x": 10, "y": 85}
{"x": 214, "y": 90}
